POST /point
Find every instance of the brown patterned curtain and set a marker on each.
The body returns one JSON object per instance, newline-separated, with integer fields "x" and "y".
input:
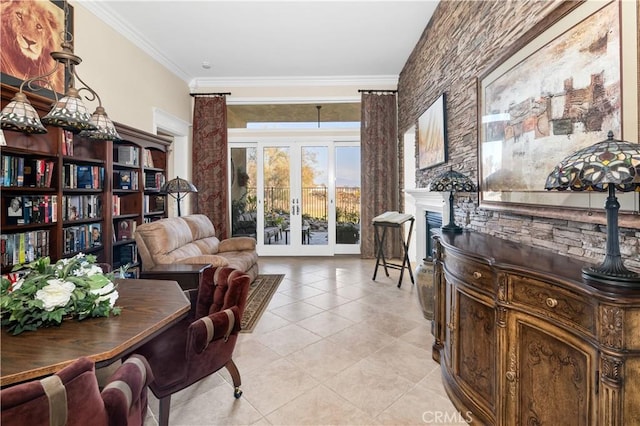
{"x": 380, "y": 176}
{"x": 209, "y": 160}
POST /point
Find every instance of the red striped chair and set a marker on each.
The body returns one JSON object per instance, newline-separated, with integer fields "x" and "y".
{"x": 72, "y": 397}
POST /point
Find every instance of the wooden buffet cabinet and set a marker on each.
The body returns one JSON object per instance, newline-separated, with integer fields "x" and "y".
{"x": 523, "y": 340}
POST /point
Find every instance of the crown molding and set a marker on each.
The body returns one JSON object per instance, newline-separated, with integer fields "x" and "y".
{"x": 246, "y": 100}
{"x": 365, "y": 81}
{"x": 101, "y": 11}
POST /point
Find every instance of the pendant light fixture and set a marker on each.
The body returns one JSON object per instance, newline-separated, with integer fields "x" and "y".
{"x": 68, "y": 112}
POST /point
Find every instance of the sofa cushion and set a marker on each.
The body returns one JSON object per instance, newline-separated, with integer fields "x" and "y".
{"x": 200, "y": 225}
{"x": 237, "y": 244}
{"x": 208, "y": 245}
{"x": 213, "y": 259}
{"x": 164, "y": 236}
{"x": 240, "y": 260}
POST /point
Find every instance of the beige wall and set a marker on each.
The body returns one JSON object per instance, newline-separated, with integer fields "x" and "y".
{"x": 129, "y": 81}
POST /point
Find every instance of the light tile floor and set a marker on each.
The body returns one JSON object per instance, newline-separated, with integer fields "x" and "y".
{"x": 333, "y": 348}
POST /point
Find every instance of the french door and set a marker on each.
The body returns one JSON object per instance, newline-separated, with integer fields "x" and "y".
{"x": 289, "y": 189}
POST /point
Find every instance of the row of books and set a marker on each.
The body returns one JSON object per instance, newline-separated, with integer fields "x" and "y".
{"x": 80, "y": 207}
{"x": 126, "y": 254}
{"x": 67, "y": 145}
{"x": 127, "y": 155}
{"x": 23, "y": 210}
{"x": 148, "y": 159}
{"x": 83, "y": 176}
{"x": 125, "y": 179}
{"x": 16, "y": 249}
{"x": 21, "y": 171}
{"x": 153, "y": 203}
{"x": 115, "y": 205}
{"x": 81, "y": 237}
{"x": 153, "y": 180}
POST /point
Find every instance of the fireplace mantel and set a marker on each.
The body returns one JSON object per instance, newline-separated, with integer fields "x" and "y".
{"x": 418, "y": 202}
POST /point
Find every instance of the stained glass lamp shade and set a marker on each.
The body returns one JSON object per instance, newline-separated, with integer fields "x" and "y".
{"x": 605, "y": 166}
{"x": 452, "y": 181}
{"x": 20, "y": 116}
{"x": 178, "y": 188}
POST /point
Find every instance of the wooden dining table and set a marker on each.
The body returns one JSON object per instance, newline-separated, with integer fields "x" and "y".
{"x": 148, "y": 308}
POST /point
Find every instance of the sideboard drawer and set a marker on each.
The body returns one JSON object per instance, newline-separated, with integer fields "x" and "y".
{"x": 552, "y": 301}
{"x": 479, "y": 275}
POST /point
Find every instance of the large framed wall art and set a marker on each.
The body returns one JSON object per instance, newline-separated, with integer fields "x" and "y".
{"x": 31, "y": 30}
{"x": 556, "y": 91}
{"x": 432, "y": 135}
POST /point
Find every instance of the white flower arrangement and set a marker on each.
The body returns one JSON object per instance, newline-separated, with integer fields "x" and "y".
{"x": 46, "y": 294}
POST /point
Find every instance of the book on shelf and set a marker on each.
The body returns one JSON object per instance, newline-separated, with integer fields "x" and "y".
{"x": 28, "y": 172}
{"x": 125, "y": 179}
{"x": 89, "y": 177}
{"x": 153, "y": 180}
{"x": 23, "y": 247}
{"x": 85, "y": 177}
{"x": 78, "y": 207}
{"x": 148, "y": 158}
{"x": 126, "y": 254}
{"x": 67, "y": 145}
{"x": 31, "y": 209}
{"x": 125, "y": 229}
{"x": 127, "y": 155}
{"x": 81, "y": 237}
{"x": 96, "y": 234}
{"x": 115, "y": 205}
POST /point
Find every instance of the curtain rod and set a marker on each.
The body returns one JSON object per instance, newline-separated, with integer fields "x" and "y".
{"x": 210, "y": 94}
{"x": 376, "y": 91}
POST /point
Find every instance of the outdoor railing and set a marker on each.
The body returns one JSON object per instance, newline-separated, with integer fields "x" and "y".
{"x": 314, "y": 202}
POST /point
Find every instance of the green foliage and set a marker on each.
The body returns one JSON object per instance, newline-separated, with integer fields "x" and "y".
{"x": 45, "y": 294}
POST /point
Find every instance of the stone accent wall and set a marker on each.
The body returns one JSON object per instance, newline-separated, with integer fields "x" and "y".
{"x": 462, "y": 41}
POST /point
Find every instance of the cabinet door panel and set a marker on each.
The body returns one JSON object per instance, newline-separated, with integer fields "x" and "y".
{"x": 476, "y": 351}
{"x": 554, "y": 386}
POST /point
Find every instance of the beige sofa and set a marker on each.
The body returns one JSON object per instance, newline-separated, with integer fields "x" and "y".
{"x": 192, "y": 240}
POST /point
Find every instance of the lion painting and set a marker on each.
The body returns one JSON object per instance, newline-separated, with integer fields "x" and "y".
{"x": 31, "y": 30}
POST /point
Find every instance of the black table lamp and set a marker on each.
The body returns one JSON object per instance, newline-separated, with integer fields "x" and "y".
{"x": 451, "y": 181}
{"x": 605, "y": 166}
{"x": 178, "y": 188}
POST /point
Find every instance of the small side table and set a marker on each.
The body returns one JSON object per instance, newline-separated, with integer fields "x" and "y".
{"x": 381, "y": 224}
{"x": 187, "y": 276}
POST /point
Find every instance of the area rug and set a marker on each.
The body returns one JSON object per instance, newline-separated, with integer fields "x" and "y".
{"x": 260, "y": 294}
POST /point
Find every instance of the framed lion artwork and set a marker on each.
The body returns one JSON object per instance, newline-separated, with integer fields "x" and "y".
{"x": 31, "y": 30}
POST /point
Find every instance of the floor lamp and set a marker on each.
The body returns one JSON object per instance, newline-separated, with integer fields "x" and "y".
{"x": 605, "y": 166}
{"x": 178, "y": 188}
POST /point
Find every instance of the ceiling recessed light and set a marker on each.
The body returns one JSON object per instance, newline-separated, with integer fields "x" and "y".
{"x": 206, "y": 65}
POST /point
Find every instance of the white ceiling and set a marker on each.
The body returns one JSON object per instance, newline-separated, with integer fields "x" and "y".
{"x": 272, "y": 40}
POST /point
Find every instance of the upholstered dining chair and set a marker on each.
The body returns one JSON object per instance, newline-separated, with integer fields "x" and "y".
{"x": 202, "y": 343}
{"x": 71, "y": 397}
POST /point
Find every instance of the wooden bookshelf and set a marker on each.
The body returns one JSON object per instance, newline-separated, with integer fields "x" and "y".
{"x": 67, "y": 203}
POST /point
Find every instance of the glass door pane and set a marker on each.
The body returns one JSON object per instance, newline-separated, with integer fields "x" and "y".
{"x": 243, "y": 179}
{"x": 276, "y": 194}
{"x": 347, "y": 167}
{"x": 314, "y": 202}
